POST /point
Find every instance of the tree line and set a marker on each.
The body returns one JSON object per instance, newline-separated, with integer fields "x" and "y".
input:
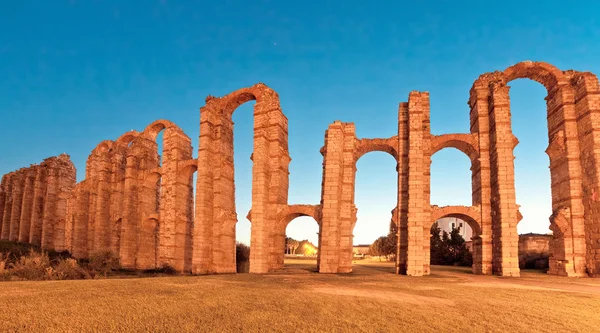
{"x": 446, "y": 248}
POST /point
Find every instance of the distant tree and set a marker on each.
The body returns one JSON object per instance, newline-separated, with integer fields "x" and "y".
{"x": 392, "y": 241}
{"x": 448, "y": 249}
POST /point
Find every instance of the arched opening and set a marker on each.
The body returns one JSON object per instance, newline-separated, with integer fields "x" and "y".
{"x": 242, "y": 152}
{"x": 376, "y": 195}
{"x": 301, "y": 244}
{"x": 532, "y": 171}
{"x": 450, "y": 178}
{"x": 451, "y": 185}
{"x": 216, "y": 225}
{"x": 455, "y": 238}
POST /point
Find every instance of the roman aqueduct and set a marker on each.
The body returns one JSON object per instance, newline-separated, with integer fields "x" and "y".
{"x": 143, "y": 209}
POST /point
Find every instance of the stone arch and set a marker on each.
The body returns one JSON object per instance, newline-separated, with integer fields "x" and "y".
{"x": 151, "y": 177}
{"x": 294, "y": 211}
{"x": 491, "y": 119}
{"x": 364, "y": 146}
{"x": 285, "y": 216}
{"x": 102, "y": 147}
{"x": 469, "y": 214}
{"x": 259, "y": 92}
{"x": 472, "y": 216}
{"x": 541, "y": 72}
{"x": 215, "y": 205}
{"x": 127, "y": 138}
{"x": 466, "y": 143}
{"x": 186, "y": 169}
{"x": 151, "y": 131}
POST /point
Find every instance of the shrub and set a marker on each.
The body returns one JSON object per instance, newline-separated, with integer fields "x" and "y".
{"x": 103, "y": 262}
{"x": 4, "y": 272}
{"x": 242, "y": 257}
{"x": 34, "y": 266}
{"x": 69, "y": 269}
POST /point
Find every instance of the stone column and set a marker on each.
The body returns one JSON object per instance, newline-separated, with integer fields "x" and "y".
{"x": 262, "y": 214}
{"x": 418, "y": 110}
{"x": 129, "y": 226}
{"x": 117, "y": 183}
{"x": 17, "y": 201}
{"x": 27, "y": 205}
{"x": 174, "y": 224}
{"x": 587, "y": 105}
{"x": 80, "y": 223}
{"x": 480, "y": 176}
{"x": 402, "y": 169}
{"x": 208, "y": 150}
{"x": 66, "y": 175}
{"x": 37, "y": 211}
{"x": 279, "y": 160}
{"x": 337, "y": 199}
{"x": 505, "y": 239}
{"x": 102, "y": 232}
{"x": 3, "y": 199}
{"x": 49, "y": 218}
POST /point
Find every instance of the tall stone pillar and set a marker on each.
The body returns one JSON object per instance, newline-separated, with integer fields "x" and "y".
{"x": 338, "y": 211}
{"x": 587, "y": 105}
{"x": 66, "y": 175}
{"x": 402, "y": 210}
{"x": 268, "y": 166}
{"x": 8, "y": 186}
{"x": 208, "y": 151}
{"x": 27, "y": 205}
{"x": 418, "y": 207}
{"x": 17, "y": 201}
{"x": 102, "y": 232}
{"x": 117, "y": 183}
{"x": 37, "y": 211}
{"x": 129, "y": 226}
{"x": 3, "y": 194}
{"x": 174, "y": 224}
{"x": 49, "y": 219}
{"x": 80, "y": 221}
{"x": 481, "y": 178}
{"x": 505, "y": 239}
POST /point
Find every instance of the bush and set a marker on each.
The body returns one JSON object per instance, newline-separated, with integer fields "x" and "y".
{"x": 34, "y": 266}
{"x": 69, "y": 269}
{"x": 4, "y": 272}
{"x": 103, "y": 262}
{"x": 242, "y": 257}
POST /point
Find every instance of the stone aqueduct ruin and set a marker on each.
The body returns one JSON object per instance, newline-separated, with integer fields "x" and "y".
{"x": 143, "y": 209}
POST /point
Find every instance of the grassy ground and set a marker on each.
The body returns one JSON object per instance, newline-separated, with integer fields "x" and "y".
{"x": 297, "y": 300}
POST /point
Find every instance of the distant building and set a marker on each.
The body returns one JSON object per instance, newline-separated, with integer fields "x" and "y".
{"x": 449, "y": 223}
{"x": 361, "y": 249}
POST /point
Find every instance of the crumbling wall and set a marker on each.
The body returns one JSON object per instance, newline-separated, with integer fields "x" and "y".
{"x": 33, "y": 203}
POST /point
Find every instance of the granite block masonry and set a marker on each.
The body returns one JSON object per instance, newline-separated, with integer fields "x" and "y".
{"x": 142, "y": 206}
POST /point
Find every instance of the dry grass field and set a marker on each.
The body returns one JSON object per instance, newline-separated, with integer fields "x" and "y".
{"x": 297, "y": 300}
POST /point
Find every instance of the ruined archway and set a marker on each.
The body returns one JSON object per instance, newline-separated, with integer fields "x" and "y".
{"x": 341, "y": 152}
{"x": 215, "y": 203}
{"x": 286, "y": 216}
{"x": 467, "y": 144}
{"x": 570, "y": 149}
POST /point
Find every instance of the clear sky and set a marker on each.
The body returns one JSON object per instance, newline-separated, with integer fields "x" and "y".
{"x": 74, "y": 73}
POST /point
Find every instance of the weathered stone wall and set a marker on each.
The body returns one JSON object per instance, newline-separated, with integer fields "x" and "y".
{"x": 33, "y": 203}
{"x": 534, "y": 250}
{"x": 141, "y": 206}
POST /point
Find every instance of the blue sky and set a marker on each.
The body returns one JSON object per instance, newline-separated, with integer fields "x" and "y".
{"x": 74, "y": 73}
